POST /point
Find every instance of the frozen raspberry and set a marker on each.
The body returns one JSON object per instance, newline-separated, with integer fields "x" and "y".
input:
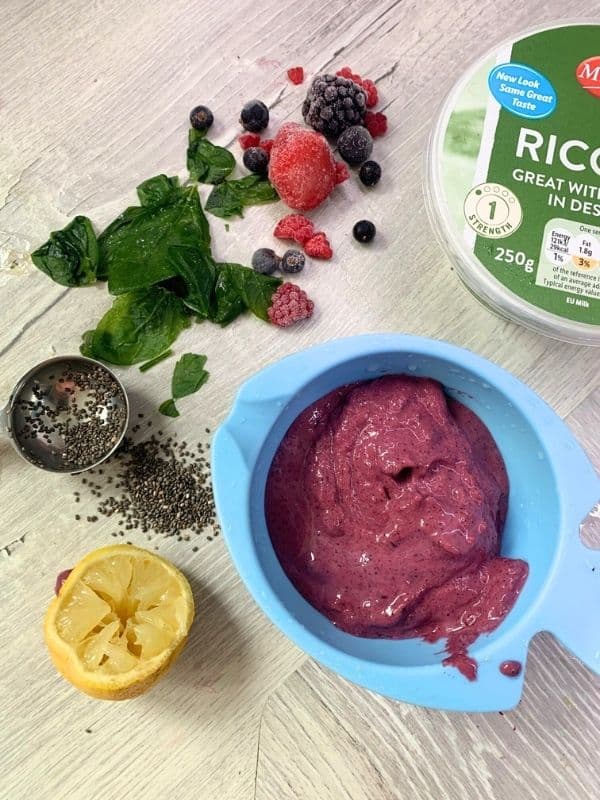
{"x": 247, "y": 140}
{"x": 296, "y": 227}
{"x": 376, "y": 123}
{"x": 318, "y": 246}
{"x": 289, "y": 304}
{"x": 367, "y": 85}
{"x": 302, "y": 167}
{"x": 296, "y": 75}
{"x": 341, "y": 172}
{"x": 266, "y": 145}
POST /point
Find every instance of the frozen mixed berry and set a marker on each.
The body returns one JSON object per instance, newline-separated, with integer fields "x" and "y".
{"x": 266, "y": 261}
{"x": 296, "y": 75}
{"x": 318, "y": 246}
{"x": 296, "y": 227}
{"x": 367, "y": 85}
{"x": 375, "y": 123}
{"x": 247, "y": 140}
{"x": 333, "y": 104}
{"x": 256, "y": 159}
{"x": 292, "y": 261}
{"x": 364, "y": 231}
{"x": 370, "y": 173}
{"x": 355, "y": 145}
{"x": 201, "y": 118}
{"x": 289, "y": 304}
{"x": 254, "y": 116}
{"x": 341, "y": 172}
{"x": 302, "y": 167}
{"x": 266, "y": 145}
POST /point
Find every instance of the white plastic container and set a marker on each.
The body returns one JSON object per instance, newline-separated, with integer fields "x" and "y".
{"x": 513, "y": 180}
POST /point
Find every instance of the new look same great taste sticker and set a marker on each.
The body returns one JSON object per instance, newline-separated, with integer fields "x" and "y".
{"x": 522, "y": 90}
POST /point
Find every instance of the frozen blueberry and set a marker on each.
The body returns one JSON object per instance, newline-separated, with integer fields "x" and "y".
{"x": 292, "y": 261}
{"x": 266, "y": 261}
{"x": 370, "y": 173}
{"x": 355, "y": 145}
{"x": 364, "y": 231}
{"x": 201, "y": 118}
{"x": 256, "y": 160}
{"x": 254, "y": 116}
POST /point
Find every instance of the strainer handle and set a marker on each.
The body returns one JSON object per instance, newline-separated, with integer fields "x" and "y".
{"x": 573, "y": 610}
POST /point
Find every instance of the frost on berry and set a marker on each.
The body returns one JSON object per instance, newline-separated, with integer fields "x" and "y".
{"x": 318, "y": 246}
{"x": 366, "y": 85}
{"x": 296, "y": 227}
{"x": 289, "y": 304}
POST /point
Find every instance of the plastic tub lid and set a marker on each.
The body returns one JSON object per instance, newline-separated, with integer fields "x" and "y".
{"x": 513, "y": 180}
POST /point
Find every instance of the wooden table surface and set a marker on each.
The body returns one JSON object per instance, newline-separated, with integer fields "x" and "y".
{"x": 94, "y": 98}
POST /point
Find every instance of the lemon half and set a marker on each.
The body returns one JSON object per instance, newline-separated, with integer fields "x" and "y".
{"x": 119, "y": 621}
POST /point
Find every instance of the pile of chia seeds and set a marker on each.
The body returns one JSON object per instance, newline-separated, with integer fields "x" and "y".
{"x": 78, "y": 416}
{"x": 158, "y": 485}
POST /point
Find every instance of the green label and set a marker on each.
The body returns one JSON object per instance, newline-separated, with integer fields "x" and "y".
{"x": 521, "y": 169}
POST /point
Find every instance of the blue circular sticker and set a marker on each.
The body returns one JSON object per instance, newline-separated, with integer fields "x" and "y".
{"x": 522, "y": 90}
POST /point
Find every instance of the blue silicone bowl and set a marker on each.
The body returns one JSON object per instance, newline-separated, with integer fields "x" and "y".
{"x": 553, "y": 488}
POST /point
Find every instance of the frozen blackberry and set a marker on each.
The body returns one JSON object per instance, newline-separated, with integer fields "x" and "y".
{"x": 201, "y": 118}
{"x": 364, "y": 231}
{"x": 370, "y": 173}
{"x": 256, "y": 159}
{"x": 292, "y": 261}
{"x": 333, "y": 104}
{"x": 355, "y": 145}
{"x": 254, "y": 116}
{"x": 265, "y": 261}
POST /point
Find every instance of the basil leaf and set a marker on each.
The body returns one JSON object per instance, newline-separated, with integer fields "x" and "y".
{"x": 168, "y": 408}
{"x": 207, "y": 162}
{"x": 70, "y": 256}
{"x": 189, "y": 375}
{"x": 154, "y": 361}
{"x": 197, "y": 269}
{"x": 157, "y": 191}
{"x": 133, "y": 249}
{"x": 139, "y": 326}
{"x": 230, "y": 197}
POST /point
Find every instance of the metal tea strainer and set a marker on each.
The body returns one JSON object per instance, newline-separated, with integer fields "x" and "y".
{"x": 67, "y": 414}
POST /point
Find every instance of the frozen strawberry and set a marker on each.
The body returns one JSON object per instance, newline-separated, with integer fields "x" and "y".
{"x": 302, "y": 167}
{"x": 296, "y": 227}
{"x": 375, "y": 123}
{"x": 247, "y": 140}
{"x": 318, "y": 246}
{"x": 341, "y": 172}
{"x": 296, "y": 75}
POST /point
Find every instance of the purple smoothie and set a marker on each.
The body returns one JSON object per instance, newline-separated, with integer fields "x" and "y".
{"x": 385, "y": 503}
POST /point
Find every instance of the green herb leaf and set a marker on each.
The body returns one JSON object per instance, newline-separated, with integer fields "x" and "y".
{"x": 229, "y": 303}
{"x": 70, "y": 256}
{"x": 157, "y": 191}
{"x": 168, "y": 408}
{"x": 197, "y": 269}
{"x": 154, "y": 361}
{"x": 207, "y": 162}
{"x": 139, "y": 326}
{"x": 230, "y": 197}
{"x": 256, "y": 290}
{"x": 133, "y": 249}
{"x": 189, "y": 375}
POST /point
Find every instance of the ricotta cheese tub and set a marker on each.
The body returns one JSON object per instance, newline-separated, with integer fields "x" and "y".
{"x": 513, "y": 180}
